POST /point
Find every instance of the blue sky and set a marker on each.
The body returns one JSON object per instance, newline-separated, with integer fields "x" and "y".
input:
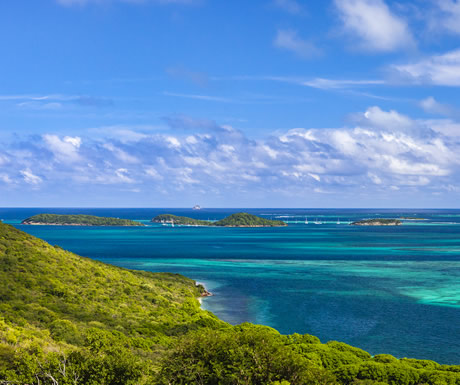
{"x": 264, "y": 103}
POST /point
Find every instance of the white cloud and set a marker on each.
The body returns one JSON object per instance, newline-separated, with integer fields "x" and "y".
{"x": 191, "y": 140}
{"x": 172, "y": 141}
{"x": 382, "y": 148}
{"x": 373, "y": 23}
{"x": 30, "y": 178}
{"x": 404, "y": 167}
{"x": 450, "y": 15}
{"x": 376, "y": 117}
{"x": 40, "y": 105}
{"x": 374, "y": 178}
{"x": 55, "y": 101}
{"x": 120, "y": 154}
{"x": 64, "y": 150}
{"x": 153, "y": 173}
{"x": 123, "y": 175}
{"x": 3, "y": 159}
{"x": 74, "y": 141}
{"x": 289, "y": 40}
{"x": 445, "y": 127}
{"x": 315, "y": 177}
{"x": 328, "y": 84}
{"x": 431, "y": 105}
{"x": 441, "y": 70}
{"x": 5, "y": 178}
{"x": 29, "y": 97}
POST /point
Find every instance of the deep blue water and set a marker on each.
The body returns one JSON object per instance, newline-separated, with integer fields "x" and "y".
{"x": 389, "y": 290}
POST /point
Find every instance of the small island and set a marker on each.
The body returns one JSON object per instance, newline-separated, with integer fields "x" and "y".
{"x": 77, "y": 220}
{"x": 247, "y": 220}
{"x": 377, "y": 222}
{"x": 181, "y": 221}
{"x": 234, "y": 220}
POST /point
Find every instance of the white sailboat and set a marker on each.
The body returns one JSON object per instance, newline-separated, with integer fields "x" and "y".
{"x": 338, "y": 221}
{"x": 306, "y": 221}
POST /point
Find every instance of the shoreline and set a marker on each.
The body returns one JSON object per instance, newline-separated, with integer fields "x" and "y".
{"x": 204, "y": 294}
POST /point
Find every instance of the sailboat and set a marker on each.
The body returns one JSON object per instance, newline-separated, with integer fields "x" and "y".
{"x": 317, "y": 222}
{"x": 306, "y": 221}
{"x": 338, "y": 221}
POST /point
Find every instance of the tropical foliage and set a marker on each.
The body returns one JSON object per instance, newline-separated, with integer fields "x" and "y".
{"x": 84, "y": 220}
{"x": 177, "y": 220}
{"x": 247, "y": 220}
{"x": 66, "y": 319}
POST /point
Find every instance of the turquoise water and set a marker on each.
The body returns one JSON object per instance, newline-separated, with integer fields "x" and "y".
{"x": 389, "y": 290}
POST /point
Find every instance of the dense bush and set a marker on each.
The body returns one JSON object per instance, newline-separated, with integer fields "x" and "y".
{"x": 247, "y": 220}
{"x": 78, "y": 219}
{"x": 241, "y": 355}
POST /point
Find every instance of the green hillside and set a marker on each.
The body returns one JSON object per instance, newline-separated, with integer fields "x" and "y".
{"x": 82, "y": 220}
{"x": 66, "y": 319}
{"x": 247, "y": 220}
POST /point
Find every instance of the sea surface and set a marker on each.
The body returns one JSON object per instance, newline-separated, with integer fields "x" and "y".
{"x": 392, "y": 290}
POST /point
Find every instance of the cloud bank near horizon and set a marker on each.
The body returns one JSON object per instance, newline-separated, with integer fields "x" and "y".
{"x": 383, "y": 151}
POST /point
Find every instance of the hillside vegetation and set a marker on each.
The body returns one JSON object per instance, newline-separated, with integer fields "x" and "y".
{"x": 247, "y": 220}
{"x": 234, "y": 220}
{"x": 79, "y": 219}
{"x": 177, "y": 220}
{"x": 66, "y": 319}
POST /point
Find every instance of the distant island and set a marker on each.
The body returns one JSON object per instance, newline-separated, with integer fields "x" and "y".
{"x": 177, "y": 220}
{"x": 247, "y": 220}
{"x": 77, "y": 220}
{"x": 413, "y": 219}
{"x": 234, "y": 220}
{"x": 377, "y": 222}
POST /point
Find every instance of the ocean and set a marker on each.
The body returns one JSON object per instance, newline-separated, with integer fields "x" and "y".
{"x": 393, "y": 289}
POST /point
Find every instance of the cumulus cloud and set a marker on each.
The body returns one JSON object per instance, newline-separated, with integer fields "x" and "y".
{"x": 289, "y": 40}
{"x": 120, "y": 154}
{"x": 29, "y": 177}
{"x": 65, "y": 149}
{"x": 431, "y": 105}
{"x": 373, "y": 23}
{"x": 390, "y": 120}
{"x": 440, "y": 70}
{"x": 381, "y": 150}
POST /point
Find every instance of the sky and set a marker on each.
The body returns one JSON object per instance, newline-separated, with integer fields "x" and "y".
{"x": 261, "y": 103}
